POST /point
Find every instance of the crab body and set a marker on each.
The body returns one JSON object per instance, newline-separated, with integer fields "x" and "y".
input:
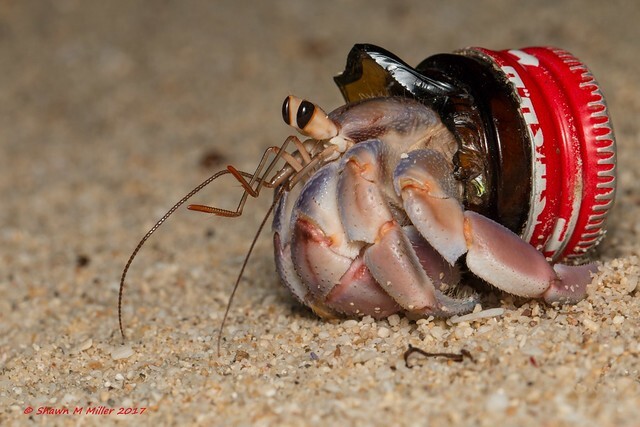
{"x": 378, "y": 227}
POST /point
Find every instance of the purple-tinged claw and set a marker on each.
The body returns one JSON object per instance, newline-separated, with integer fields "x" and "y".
{"x": 437, "y": 268}
{"x": 318, "y": 203}
{"x": 363, "y": 209}
{"x": 572, "y": 284}
{"x": 503, "y": 259}
{"x": 396, "y": 267}
{"x": 284, "y": 267}
{"x": 317, "y": 264}
{"x": 425, "y": 182}
{"x": 358, "y": 293}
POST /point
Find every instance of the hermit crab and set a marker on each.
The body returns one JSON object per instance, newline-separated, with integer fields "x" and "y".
{"x": 391, "y": 195}
{"x": 379, "y": 227}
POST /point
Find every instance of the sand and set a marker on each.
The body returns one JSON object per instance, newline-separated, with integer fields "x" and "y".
{"x": 111, "y": 111}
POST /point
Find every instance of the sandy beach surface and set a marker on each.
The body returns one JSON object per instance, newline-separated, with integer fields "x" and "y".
{"x": 112, "y": 111}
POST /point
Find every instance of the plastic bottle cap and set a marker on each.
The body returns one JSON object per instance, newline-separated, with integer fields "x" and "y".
{"x": 573, "y": 148}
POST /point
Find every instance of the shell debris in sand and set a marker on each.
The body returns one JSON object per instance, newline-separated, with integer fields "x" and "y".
{"x": 122, "y": 352}
{"x": 85, "y": 345}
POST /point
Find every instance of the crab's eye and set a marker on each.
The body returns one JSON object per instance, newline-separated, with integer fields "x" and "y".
{"x": 285, "y": 111}
{"x": 304, "y": 114}
{"x": 303, "y": 109}
{"x": 309, "y": 119}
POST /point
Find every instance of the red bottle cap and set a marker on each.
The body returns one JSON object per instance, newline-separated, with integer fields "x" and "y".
{"x": 573, "y": 147}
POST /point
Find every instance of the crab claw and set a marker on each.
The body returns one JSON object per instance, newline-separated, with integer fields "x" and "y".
{"x": 572, "y": 286}
{"x": 359, "y": 293}
{"x": 391, "y": 256}
{"x": 425, "y": 182}
{"x": 442, "y": 274}
{"x": 396, "y": 267}
{"x": 503, "y": 259}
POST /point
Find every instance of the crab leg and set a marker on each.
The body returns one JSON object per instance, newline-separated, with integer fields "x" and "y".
{"x": 494, "y": 253}
{"x": 390, "y": 257}
{"x": 426, "y": 175}
{"x": 359, "y": 293}
{"x": 437, "y": 268}
{"x": 396, "y": 267}
{"x": 320, "y": 255}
